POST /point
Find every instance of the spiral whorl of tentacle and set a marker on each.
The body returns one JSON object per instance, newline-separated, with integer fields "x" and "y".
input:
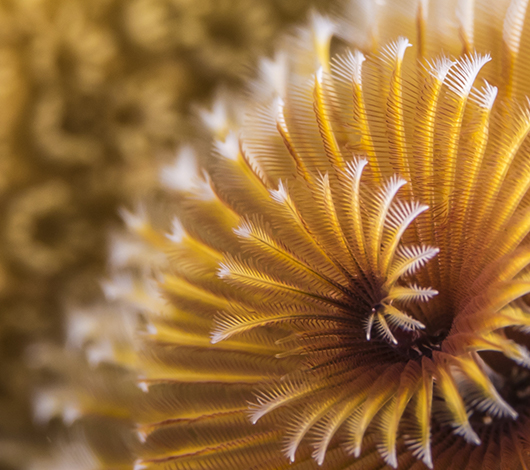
{"x": 355, "y": 261}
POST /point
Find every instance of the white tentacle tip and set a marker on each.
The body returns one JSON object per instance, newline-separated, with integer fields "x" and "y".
{"x": 319, "y": 75}
{"x": 391, "y": 459}
{"x": 143, "y": 386}
{"x": 139, "y": 465}
{"x": 217, "y": 337}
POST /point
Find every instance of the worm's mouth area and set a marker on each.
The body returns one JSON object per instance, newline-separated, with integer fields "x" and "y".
{"x": 414, "y": 345}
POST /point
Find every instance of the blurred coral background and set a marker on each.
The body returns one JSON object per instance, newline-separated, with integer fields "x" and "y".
{"x": 94, "y": 95}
